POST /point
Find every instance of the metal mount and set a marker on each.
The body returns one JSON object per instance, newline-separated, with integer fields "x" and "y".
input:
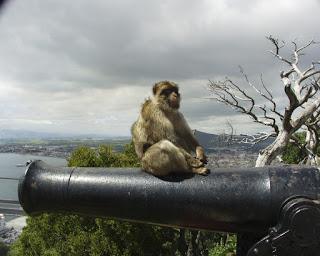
{"x": 297, "y": 232}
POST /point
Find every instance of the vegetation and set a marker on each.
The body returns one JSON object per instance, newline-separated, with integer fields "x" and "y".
{"x": 60, "y": 234}
{"x": 296, "y": 152}
{"x": 224, "y": 248}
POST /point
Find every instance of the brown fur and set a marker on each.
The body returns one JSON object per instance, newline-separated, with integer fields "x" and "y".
{"x": 162, "y": 138}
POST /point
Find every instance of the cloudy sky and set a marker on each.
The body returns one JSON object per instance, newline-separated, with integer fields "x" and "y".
{"x": 85, "y": 67}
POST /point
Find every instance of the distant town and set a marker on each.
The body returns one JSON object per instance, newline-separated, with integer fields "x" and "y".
{"x": 55, "y": 147}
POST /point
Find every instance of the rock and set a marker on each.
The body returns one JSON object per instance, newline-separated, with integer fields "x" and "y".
{"x": 8, "y": 235}
{"x": 10, "y": 231}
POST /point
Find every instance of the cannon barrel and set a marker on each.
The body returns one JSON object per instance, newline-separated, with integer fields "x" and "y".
{"x": 232, "y": 200}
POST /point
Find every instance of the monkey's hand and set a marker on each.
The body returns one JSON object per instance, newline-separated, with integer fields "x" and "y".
{"x": 200, "y": 155}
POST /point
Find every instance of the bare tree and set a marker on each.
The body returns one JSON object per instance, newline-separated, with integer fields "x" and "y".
{"x": 301, "y": 87}
{"x": 312, "y": 139}
{"x": 230, "y": 137}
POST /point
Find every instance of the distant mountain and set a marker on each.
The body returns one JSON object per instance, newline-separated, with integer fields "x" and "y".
{"x": 23, "y": 134}
{"x": 214, "y": 142}
{"x": 207, "y": 140}
{"x": 6, "y": 134}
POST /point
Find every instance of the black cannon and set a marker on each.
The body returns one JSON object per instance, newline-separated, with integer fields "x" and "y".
{"x": 275, "y": 210}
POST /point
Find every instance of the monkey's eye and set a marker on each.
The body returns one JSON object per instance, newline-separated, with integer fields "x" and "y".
{"x": 167, "y": 92}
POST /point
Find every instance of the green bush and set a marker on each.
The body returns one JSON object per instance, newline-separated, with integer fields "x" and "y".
{"x": 292, "y": 153}
{"x": 224, "y": 249}
{"x": 58, "y": 234}
{"x": 104, "y": 156}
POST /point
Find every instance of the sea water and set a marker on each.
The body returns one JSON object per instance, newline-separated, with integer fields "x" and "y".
{"x": 13, "y": 166}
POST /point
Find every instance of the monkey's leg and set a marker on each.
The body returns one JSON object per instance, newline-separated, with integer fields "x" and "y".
{"x": 195, "y": 164}
{"x": 163, "y": 158}
{"x": 201, "y": 170}
{"x": 192, "y": 161}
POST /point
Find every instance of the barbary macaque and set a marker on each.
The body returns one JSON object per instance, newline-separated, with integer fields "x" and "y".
{"x": 162, "y": 138}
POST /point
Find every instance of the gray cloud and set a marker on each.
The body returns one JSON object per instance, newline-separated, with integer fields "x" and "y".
{"x": 71, "y": 64}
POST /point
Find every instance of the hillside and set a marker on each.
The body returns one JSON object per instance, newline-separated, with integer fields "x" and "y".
{"x": 224, "y": 142}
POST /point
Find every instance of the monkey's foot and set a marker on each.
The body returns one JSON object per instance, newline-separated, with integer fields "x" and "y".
{"x": 195, "y": 163}
{"x": 201, "y": 170}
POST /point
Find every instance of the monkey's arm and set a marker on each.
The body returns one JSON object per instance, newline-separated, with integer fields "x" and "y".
{"x": 141, "y": 148}
{"x": 197, "y": 148}
{"x": 139, "y": 139}
{"x": 191, "y": 141}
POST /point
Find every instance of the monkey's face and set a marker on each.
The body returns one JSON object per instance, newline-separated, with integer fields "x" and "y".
{"x": 171, "y": 96}
{"x": 168, "y": 94}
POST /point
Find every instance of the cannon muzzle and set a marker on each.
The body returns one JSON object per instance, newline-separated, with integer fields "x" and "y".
{"x": 232, "y": 200}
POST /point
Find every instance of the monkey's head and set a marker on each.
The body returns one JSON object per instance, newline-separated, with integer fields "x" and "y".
{"x": 167, "y": 94}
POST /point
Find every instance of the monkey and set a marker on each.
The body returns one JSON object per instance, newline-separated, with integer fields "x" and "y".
{"x": 162, "y": 138}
